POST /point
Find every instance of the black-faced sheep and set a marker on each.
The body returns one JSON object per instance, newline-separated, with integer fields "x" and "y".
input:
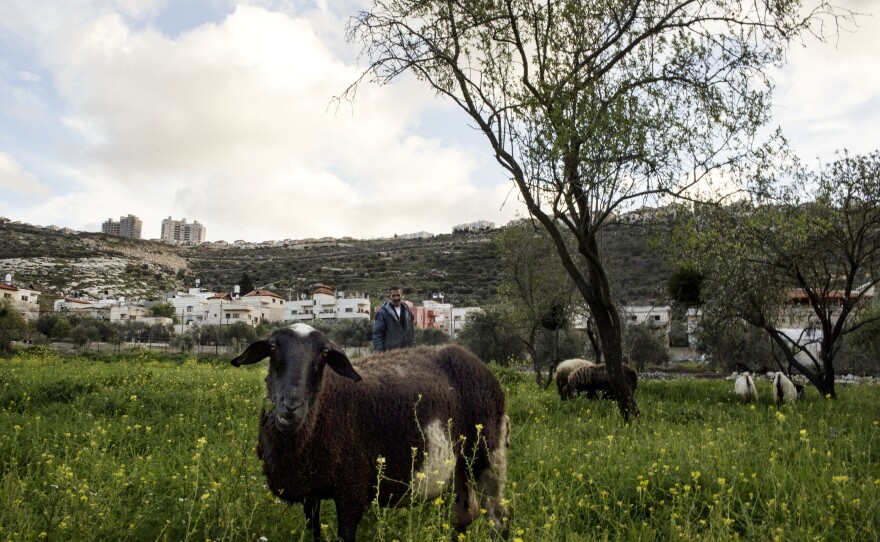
{"x": 564, "y": 370}
{"x": 745, "y": 389}
{"x": 416, "y": 418}
{"x": 784, "y": 390}
{"x": 593, "y": 381}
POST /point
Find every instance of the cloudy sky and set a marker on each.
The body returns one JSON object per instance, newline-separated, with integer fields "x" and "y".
{"x": 220, "y": 111}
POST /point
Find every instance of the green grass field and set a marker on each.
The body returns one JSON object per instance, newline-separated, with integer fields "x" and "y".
{"x": 137, "y": 449}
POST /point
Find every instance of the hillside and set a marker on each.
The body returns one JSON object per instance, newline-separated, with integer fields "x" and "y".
{"x": 465, "y": 267}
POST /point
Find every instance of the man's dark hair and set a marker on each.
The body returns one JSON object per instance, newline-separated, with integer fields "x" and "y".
{"x": 394, "y": 288}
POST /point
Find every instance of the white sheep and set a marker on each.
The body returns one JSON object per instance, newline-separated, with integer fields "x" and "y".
{"x": 784, "y": 390}
{"x": 745, "y": 388}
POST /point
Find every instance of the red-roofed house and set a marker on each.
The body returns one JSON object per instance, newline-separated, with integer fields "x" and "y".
{"x": 24, "y": 300}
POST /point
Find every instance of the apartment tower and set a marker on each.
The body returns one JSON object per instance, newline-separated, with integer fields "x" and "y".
{"x": 178, "y": 232}
{"x": 128, "y": 226}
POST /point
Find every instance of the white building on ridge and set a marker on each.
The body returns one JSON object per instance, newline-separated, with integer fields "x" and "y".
{"x": 325, "y": 304}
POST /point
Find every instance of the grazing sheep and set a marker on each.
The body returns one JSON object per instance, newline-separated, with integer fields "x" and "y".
{"x": 745, "y": 388}
{"x": 408, "y": 420}
{"x": 564, "y": 370}
{"x": 593, "y": 381}
{"x": 784, "y": 390}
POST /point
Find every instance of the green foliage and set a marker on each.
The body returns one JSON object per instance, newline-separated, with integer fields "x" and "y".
{"x": 814, "y": 235}
{"x": 430, "y": 336}
{"x": 861, "y": 350}
{"x": 13, "y": 326}
{"x": 643, "y": 347}
{"x": 684, "y": 286}
{"x": 139, "y": 449}
{"x": 61, "y": 329}
{"x": 562, "y": 344}
{"x": 165, "y": 309}
{"x": 735, "y": 346}
{"x": 185, "y": 342}
{"x": 490, "y": 335}
{"x": 352, "y": 332}
{"x": 536, "y": 291}
{"x": 246, "y": 284}
{"x": 84, "y": 333}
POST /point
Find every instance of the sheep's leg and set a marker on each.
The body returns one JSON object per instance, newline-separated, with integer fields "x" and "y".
{"x": 312, "y": 508}
{"x": 466, "y": 509}
{"x": 490, "y": 488}
{"x": 347, "y": 518}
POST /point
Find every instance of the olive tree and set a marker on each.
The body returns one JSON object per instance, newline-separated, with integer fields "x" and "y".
{"x": 594, "y": 108}
{"x": 802, "y": 254}
{"x": 490, "y": 335}
{"x": 537, "y": 292}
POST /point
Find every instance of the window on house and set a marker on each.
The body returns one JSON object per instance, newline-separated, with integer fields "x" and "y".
{"x": 349, "y": 309}
{"x": 24, "y": 298}
{"x": 657, "y": 318}
{"x": 235, "y": 315}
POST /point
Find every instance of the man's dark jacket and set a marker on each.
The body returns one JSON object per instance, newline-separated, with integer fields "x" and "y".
{"x": 389, "y": 332}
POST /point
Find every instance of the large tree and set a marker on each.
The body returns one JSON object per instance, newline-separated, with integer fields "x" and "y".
{"x": 594, "y": 107}
{"x": 805, "y": 250}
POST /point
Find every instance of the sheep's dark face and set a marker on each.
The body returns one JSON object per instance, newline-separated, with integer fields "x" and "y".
{"x": 297, "y": 357}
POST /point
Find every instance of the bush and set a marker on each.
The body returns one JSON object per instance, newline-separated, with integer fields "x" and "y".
{"x": 735, "y": 346}
{"x": 489, "y": 335}
{"x": 431, "y": 336}
{"x": 642, "y": 346}
{"x": 12, "y": 326}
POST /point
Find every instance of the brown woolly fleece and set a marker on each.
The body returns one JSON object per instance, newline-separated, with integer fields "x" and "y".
{"x": 563, "y": 372}
{"x": 395, "y": 412}
{"x": 593, "y": 381}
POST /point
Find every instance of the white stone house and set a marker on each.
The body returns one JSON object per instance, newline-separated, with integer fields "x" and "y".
{"x": 269, "y": 305}
{"x": 190, "y": 307}
{"x": 653, "y": 316}
{"x": 25, "y": 300}
{"x": 83, "y": 307}
{"x": 124, "y": 312}
{"x": 325, "y": 304}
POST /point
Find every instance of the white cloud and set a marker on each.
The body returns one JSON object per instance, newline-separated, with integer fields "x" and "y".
{"x": 828, "y": 95}
{"x": 233, "y": 124}
{"x": 18, "y": 181}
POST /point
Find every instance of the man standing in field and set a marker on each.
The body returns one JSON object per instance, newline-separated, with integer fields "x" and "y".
{"x": 394, "y": 326}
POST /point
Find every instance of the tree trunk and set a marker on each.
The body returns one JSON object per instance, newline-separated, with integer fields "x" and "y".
{"x": 828, "y": 377}
{"x": 823, "y": 381}
{"x": 594, "y": 342}
{"x": 536, "y": 363}
{"x": 613, "y": 352}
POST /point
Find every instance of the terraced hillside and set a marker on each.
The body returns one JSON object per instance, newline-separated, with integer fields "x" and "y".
{"x": 63, "y": 262}
{"x": 465, "y": 267}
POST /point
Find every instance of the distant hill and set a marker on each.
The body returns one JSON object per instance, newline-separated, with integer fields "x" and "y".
{"x": 465, "y": 267}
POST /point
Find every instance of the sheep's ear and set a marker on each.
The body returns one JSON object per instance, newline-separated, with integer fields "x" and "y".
{"x": 255, "y": 352}
{"x": 339, "y": 362}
